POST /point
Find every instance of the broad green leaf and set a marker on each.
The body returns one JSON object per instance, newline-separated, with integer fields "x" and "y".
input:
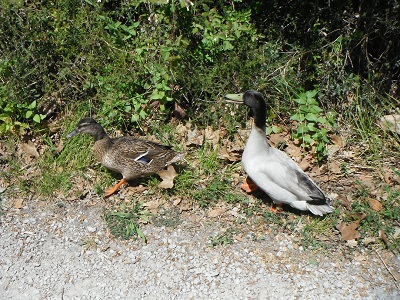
{"x": 141, "y": 234}
{"x": 297, "y": 117}
{"x": 311, "y": 127}
{"x": 302, "y": 128}
{"x": 36, "y": 118}
{"x": 307, "y": 139}
{"x": 135, "y": 118}
{"x": 32, "y": 105}
{"x": 142, "y": 114}
{"x": 311, "y": 94}
{"x": 315, "y": 109}
{"x": 227, "y": 45}
{"x": 157, "y": 96}
{"x": 312, "y": 117}
{"x": 28, "y": 114}
{"x": 300, "y": 100}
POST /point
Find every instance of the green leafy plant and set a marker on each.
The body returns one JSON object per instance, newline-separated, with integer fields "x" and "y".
{"x": 312, "y": 124}
{"x": 13, "y": 114}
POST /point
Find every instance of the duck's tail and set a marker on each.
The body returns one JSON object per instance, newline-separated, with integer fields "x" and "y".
{"x": 176, "y": 158}
{"x": 320, "y": 209}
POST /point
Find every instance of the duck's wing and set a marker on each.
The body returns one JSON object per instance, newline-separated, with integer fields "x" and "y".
{"x": 285, "y": 173}
{"x": 142, "y": 151}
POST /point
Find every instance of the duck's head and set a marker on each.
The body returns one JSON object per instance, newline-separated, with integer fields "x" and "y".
{"x": 88, "y": 126}
{"x": 255, "y": 101}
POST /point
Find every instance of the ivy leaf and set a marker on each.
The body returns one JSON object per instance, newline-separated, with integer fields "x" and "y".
{"x": 227, "y": 45}
{"x": 311, "y": 127}
{"x": 302, "y": 128}
{"x": 157, "y": 96}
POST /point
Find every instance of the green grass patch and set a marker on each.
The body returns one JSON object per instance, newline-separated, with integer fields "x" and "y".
{"x": 125, "y": 222}
{"x": 223, "y": 239}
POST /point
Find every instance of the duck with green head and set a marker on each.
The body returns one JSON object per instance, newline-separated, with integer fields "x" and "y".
{"x": 129, "y": 156}
{"x": 271, "y": 169}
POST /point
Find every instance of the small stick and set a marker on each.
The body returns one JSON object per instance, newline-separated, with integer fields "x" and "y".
{"x": 387, "y": 268}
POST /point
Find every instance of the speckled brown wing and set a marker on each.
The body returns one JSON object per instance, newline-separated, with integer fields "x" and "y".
{"x": 136, "y": 157}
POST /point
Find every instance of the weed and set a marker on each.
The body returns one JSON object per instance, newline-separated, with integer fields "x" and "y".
{"x": 124, "y": 223}
{"x": 223, "y": 239}
{"x": 316, "y": 234}
{"x": 312, "y": 124}
{"x": 215, "y": 190}
{"x": 89, "y": 243}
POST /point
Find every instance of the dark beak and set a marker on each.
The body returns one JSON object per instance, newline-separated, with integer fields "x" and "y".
{"x": 72, "y": 133}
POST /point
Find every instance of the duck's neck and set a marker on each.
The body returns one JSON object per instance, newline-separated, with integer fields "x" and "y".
{"x": 259, "y": 118}
{"x": 99, "y": 133}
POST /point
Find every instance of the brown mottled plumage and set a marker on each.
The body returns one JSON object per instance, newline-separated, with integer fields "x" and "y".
{"x": 130, "y": 156}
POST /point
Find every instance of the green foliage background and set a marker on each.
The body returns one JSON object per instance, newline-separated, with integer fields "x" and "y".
{"x": 131, "y": 60}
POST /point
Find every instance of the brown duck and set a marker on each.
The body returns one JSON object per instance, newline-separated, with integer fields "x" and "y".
{"x": 130, "y": 156}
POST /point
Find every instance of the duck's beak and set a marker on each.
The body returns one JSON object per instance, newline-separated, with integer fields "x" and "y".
{"x": 72, "y": 133}
{"x": 234, "y": 98}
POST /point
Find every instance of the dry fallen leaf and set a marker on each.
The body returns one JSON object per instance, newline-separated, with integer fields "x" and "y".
{"x": 195, "y": 137}
{"x": 346, "y": 201}
{"x": 177, "y": 201}
{"x": 349, "y": 232}
{"x": 390, "y": 122}
{"x": 140, "y": 188}
{"x": 216, "y": 212}
{"x": 152, "y": 204}
{"x": 334, "y": 167}
{"x": 337, "y": 144}
{"x": 230, "y": 155}
{"x": 375, "y": 204}
{"x": 276, "y": 138}
{"x": 19, "y": 203}
{"x": 212, "y": 136}
{"x": 178, "y": 111}
{"x": 60, "y": 147}
{"x": 351, "y": 243}
{"x": 30, "y": 149}
{"x": 294, "y": 152}
{"x": 167, "y": 177}
{"x": 305, "y": 163}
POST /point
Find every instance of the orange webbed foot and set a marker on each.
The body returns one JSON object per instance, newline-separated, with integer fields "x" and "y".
{"x": 249, "y": 186}
{"x": 274, "y": 207}
{"x": 108, "y": 192}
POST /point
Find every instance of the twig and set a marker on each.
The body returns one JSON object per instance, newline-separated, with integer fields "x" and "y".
{"x": 387, "y": 268}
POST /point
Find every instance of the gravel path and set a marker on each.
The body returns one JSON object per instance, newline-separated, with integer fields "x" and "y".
{"x": 64, "y": 252}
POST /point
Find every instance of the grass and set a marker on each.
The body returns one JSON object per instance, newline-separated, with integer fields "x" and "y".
{"x": 124, "y": 222}
{"x": 204, "y": 180}
{"x": 222, "y": 239}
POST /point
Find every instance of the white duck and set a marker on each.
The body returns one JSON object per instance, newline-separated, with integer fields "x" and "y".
{"x": 271, "y": 169}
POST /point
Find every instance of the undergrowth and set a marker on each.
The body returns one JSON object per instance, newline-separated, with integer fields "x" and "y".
{"x": 133, "y": 65}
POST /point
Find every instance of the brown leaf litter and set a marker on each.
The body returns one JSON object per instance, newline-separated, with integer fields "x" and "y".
{"x": 167, "y": 177}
